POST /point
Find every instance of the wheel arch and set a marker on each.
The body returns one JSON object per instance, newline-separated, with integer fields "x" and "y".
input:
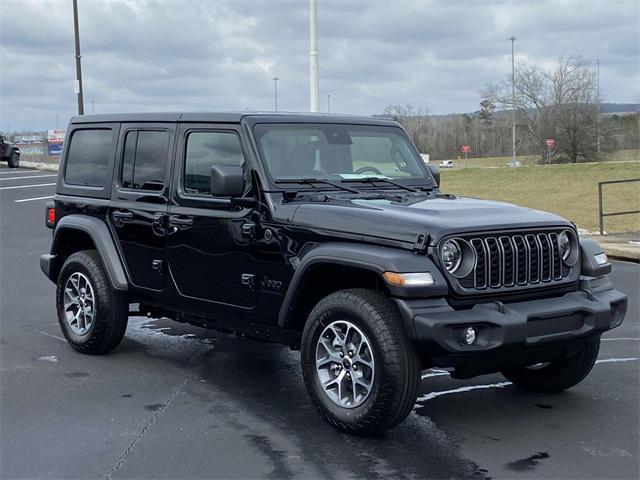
{"x": 331, "y": 267}
{"x": 77, "y": 232}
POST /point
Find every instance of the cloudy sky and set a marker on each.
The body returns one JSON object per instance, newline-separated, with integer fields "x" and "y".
{"x": 221, "y": 55}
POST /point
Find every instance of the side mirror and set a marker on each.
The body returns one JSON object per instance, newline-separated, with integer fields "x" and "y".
{"x": 435, "y": 171}
{"x": 227, "y": 180}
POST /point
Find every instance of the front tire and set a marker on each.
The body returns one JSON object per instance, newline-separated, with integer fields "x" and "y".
{"x": 558, "y": 375}
{"x": 14, "y": 160}
{"x": 93, "y": 317}
{"x": 359, "y": 366}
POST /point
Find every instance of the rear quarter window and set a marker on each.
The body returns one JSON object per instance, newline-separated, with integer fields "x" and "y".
{"x": 88, "y": 158}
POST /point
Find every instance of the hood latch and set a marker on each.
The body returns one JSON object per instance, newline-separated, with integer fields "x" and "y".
{"x": 421, "y": 242}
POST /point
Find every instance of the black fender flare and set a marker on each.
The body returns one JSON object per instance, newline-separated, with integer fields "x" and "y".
{"x": 102, "y": 239}
{"x": 372, "y": 258}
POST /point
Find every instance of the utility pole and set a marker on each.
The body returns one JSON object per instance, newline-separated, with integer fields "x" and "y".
{"x": 275, "y": 92}
{"x": 57, "y": 121}
{"x": 93, "y": 110}
{"x": 598, "y": 100}
{"x": 328, "y": 103}
{"x": 78, "y": 86}
{"x": 513, "y": 100}
{"x": 314, "y": 100}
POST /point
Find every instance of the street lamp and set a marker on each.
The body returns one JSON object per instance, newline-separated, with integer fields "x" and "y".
{"x": 314, "y": 100}
{"x": 598, "y": 100}
{"x": 78, "y": 85}
{"x": 275, "y": 92}
{"x": 328, "y": 103}
{"x": 513, "y": 100}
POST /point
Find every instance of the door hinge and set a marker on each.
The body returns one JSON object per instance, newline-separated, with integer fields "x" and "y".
{"x": 158, "y": 266}
{"x": 249, "y": 229}
{"x": 421, "y": 242}
{"x": 248, "y": 280}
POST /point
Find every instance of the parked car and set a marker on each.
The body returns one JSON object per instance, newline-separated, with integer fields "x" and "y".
{"x": 324, "y": 233}
{"x": 446, "y": 164}
{"x": 9, "y": 153}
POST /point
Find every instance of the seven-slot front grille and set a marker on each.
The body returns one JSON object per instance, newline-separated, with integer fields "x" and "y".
{"x": 515, "y": 260}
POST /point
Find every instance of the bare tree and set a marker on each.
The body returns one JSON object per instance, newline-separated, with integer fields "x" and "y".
{"x": 559, "y": 103}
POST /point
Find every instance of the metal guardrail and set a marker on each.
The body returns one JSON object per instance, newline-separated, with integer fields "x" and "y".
{"x": 611, "y": 214}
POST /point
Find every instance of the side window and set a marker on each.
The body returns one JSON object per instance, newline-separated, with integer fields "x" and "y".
{"x": 145, "y": 159}
{"x": 204, "y": 150}
{"x": 88, "y": 158}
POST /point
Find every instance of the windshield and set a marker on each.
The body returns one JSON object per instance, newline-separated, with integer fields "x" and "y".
{"x": 338, "y": 152}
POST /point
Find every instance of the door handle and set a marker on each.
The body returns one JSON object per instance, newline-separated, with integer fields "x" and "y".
{"x": 182, "y": 221}
{"x": 122, "y": 215}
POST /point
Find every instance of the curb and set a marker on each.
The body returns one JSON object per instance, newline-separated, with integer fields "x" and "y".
{"x": 50, "y": 167}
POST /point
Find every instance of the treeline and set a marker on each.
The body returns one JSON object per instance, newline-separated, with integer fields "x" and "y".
{"x": 561, "y": 103}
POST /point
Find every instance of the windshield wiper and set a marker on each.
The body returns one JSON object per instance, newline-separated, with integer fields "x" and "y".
{"x": 379, "y": 179}
{"x": 311, "y": 181}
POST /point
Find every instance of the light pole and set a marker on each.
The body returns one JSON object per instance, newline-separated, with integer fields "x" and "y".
{"x": 314, "y": 100}
{"x": 513, "y": 100}
{"x": 275, "y": 92}
{"x": 328, "y": 103}
{"x": 598, "y": 100}
{"x": 78, "y": 86}
{"x": 93, "y": 105}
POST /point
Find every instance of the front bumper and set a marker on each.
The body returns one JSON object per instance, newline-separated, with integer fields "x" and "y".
{"x": 518, "y": 332}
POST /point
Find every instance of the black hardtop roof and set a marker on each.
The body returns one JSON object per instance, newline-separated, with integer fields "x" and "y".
{"x": 230, "y": 117}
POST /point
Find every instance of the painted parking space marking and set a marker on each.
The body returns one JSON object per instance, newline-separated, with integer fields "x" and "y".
{"x": 619, "y": 339}
{"x": 432, "y": 395}
{"x": 32, "y": 199}
{"x": 18, "y": 171}
{"x": 23, "y": 178}
{"x": 611, "y": 360}
{"x": 28, "y": 186}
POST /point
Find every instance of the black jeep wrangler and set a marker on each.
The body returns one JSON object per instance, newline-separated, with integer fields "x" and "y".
{"x": 325, "y": 233}
{"x": 9, "y": 153}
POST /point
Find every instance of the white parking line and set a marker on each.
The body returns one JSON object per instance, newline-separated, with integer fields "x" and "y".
{"x": 608, "y": 360}
{"x": 28, "y": 186}
{"x": 19, "y": 171}
{"x": 30, "y": 199}
{"x": 620, "y": 338}
{"x": 22, "y": 178}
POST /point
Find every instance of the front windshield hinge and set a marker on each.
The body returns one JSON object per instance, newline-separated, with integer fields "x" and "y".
{"x": 421, "y": 242}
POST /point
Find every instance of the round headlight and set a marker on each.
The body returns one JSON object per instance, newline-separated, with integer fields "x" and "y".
{"x": 451, "y": 255}
{"x": 564, "y": 241}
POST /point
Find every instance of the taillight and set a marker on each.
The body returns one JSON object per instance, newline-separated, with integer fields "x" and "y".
{"x": 50, "y": 215}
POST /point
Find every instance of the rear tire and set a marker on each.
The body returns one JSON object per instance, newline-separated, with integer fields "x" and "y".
{"x": 557, "y": 375}
{"x": 368, "y": 326}
{"x": 92, "y": 315}
{"x": 14, "y": 160}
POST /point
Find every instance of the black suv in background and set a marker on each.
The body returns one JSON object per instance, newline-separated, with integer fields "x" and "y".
{"x": 325, "y": 233}
{"x": 9, "y": 153}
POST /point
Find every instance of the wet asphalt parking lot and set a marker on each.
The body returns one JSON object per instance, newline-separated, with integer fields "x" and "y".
{"x": 175, "y": 401}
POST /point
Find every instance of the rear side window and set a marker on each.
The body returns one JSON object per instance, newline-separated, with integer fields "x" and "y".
{"x": 88, "y": 158}
{"x": 145, "y": 159}
{"x": 204, "y": 150}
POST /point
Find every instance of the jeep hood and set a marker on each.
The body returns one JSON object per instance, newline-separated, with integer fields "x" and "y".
{"x": 404, "y": 221}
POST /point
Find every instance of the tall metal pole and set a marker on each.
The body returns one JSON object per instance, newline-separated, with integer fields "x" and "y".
{"x": 598, "y": 100}
{"x": 78, "y": 66}
{"x": 513, "y": 100}
{"x": 314, "y": 99}
{"x": 275, "y": 92}
{"x": 328, "y": 103}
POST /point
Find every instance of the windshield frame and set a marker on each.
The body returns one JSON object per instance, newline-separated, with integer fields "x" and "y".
{"x": 426, "y": 180}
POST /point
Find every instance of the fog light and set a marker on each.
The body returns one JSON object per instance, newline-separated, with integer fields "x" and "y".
{"x": 469, "y": 335}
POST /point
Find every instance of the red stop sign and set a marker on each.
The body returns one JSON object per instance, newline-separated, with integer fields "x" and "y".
{"x": 551, "y": 142}
{"x": 466, "y": 148}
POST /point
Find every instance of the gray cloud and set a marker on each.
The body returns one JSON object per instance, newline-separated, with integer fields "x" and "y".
{"x": 220, "y": 55}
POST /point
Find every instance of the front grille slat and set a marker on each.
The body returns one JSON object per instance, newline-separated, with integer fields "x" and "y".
{"x": 514, "y": 260}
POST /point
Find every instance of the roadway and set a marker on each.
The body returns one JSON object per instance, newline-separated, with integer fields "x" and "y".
{"x": 175, "y": 401}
